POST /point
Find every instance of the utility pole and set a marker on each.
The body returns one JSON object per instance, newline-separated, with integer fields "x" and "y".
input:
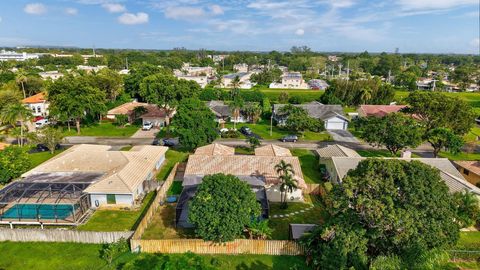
{"x": 126, "y": 62}
{"x": 348, "y": 70}
{"x": 271, "y": 124}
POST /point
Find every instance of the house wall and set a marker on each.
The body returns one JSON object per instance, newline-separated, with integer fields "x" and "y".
{"x": 336, "y": 123}
{"x": 121, "y": 199}
{"x": 38, "y": 109}
{"x": 330, "y": 167}
{"x": 274, "y": 194}
{"x": 469, "y": 176}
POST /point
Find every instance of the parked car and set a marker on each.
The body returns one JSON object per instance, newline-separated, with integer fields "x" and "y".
{"x": 41, "y": 123}
{"x": 147, "y": 126}
{"x": 289, "y": 138}
{"x": 43, "y": 148}
{"x": 156, "y": 141}
{"x": 246, "y": 131}
{"x": 170, "y": 142}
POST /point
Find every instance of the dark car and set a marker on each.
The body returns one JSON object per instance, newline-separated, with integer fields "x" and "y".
{"x": 246, "y": 131}
{"x": 289, "y": 138}
{"x": 43, "y": 148}
{"x": 170, "y": 142}
{"x": 156, "y": 141}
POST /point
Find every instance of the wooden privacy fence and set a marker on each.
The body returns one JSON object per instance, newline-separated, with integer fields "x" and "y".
{"x": 159, "y": 197}
{"x": 56, "y": 235}
{"x": 238, "y": 246}
{"x": 314, "y": 189}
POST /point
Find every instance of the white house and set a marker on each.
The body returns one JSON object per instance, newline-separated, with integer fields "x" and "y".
{"x": 53, "y": 75}
{"x": 12, "y": 55}
{"x": 201, "y": 80}
{"x": 240, "y": 67}
{"x": 38, "y": 104}
{"x": 244, "y": 78}
{"x": 291, "y": 80}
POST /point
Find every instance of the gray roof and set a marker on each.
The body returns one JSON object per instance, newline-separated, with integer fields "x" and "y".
{"x": 62, "y": 177}
{"x": 298, "y": 230}
{"x": 191, "y": 180}
{"x": 336, "y": 150}
{"x": 233, "y": 75}
{"x": 219, "y": 108}
{"x": 316, "y": 110}
{"x": 448, "y": 172}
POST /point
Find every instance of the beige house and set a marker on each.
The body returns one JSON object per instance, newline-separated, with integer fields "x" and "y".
{"x": 125, "y": 176}
{"x": 291, "y": 80}
{"x": 470, "y": 170}
{"x": 126, "y": 109}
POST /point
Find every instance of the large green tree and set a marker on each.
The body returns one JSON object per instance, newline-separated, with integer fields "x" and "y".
{"x": 14, "y": 161}
{"x": 222, "y": 208}
{"x": 384, "y": 207}
{"x": 74, "y": 98}
{"x": 16, "y": 112}
{"x": 108, "y": 81}
{"x": 194, "y": 123}
{"x": 394, "y": 131}
{"x": 444, "y": 138}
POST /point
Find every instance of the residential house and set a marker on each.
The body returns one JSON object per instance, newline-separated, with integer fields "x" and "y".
{"x": 14, "y": 56}
{"x": 426, "y": 84}
{"x": 52, "y": 75}
{"x": 240, "y": 67}
{"x": 378, "y": 110}
{"x": 195, "y": 71}
{"x": 331, "y": 115}
{"x": 38, "y": 104}
{"x": 244, "y": 80}
{"x": 470, "y": 170}
{"x": 257, "y": 170}
{"x": 152, "y": 113}
{"x": 121, "y": 177}
{"x": 201, "y": 80}
{"x": 157, "y": 116}
{"x": 291, "y": 80}
{"x": 223, "y": 112}
{"x": 335, "y": 150}
{"x": 337, "y": 168}
{"x": 317, "y": 84}
{"x": 90, "y": 69}
{"x": 218, "y": 57}
{"x": 127, "y": 109}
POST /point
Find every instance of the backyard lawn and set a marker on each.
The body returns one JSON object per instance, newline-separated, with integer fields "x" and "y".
{"x": 63, "y": 256}
{"x": 176, "y": 188}
{"x": 103, "y": 129}
{"x": 172, "y": 157}
{"x": 310, "y": 166}
{"x": 262, "y": 128}
{"x": 162, "y": 225}
{"x": 106, "y": 220}
{"x": 280, "y": 225}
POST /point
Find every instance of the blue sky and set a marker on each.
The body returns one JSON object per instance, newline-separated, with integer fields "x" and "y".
{"x": 437, "y": 26}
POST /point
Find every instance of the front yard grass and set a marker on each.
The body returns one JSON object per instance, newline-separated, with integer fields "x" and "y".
{"x": 280, "y": 225}
{"x": 109, "y": 220}
{"x": 172, "y": 157}
{"x": 380, "y": 153}
{"x": 40, "y": 157}
{"x": 103, "y": 129}
{"x": 262, "y": 128}
{"x": 310, "y": 165}
{"x": 460, "y": 156}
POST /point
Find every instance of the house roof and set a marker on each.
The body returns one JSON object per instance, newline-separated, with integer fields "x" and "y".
{"x": 472, "y": 166}
{"x": 126, "y": 108}
{"x": 154, "y": 111}
{"x": 38, "y": 98}
{"x": 379, "y": 110}
{"x": 316, "y": 110}
{"x": 448, "y": 172}
{"x": 215, "y": 149}
{"x": 272, "y": 150}
{"x": 336, "y": 150}
{"x": 219, "y": 108}
{"x": 123, "y": 171}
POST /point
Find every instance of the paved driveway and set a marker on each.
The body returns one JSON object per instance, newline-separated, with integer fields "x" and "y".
{"x": 339, "y": 135}
{"x": 144, "y": 134}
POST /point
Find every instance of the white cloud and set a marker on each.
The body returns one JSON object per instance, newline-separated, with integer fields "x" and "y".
{"x": 184, "y": 13}
{"x": 216, "y": 10}
{"x": 71, "y": 11}
{"x": 132, "y": 18}
{"x": 434, "y": 4}
{"x": 300, "y": 32}
{"x": 475, "y": 42}
{"x": 266, "y": 5}
{"x": 35, "y": 8}
{"x": 114, "y": 7}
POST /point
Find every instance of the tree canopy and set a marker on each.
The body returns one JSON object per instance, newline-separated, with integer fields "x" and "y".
{"x": 14, "y": 161}
{"x": 222, "y": 208}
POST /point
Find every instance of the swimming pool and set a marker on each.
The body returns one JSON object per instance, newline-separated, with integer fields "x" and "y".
{"x": 44, "y": 211}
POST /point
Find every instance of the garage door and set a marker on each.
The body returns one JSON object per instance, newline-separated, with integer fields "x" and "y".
{"x": 335, "y": 125}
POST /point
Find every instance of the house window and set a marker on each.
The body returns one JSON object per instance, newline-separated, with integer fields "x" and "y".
{"x": 111, "y": 199}
{"x": 39, "y": 110}
{"x": 466, "y": 172}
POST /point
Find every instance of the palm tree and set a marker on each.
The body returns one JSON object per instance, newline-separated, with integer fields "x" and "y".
{"x": 365, "y": 94}
{"x": 236, "y": 105}
{"x": 22, "y": 79}
{"x": 284, "y": 168}
{"x": 236, "y": 82}
{"x": 14, "y": 113}
{"x": 287, "y": 185}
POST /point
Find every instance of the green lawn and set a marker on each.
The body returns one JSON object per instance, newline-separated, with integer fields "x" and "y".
{"x": 280, "y": 225}
{"x": 172, "y": 157}
{"x": 66, "y": 256}
{"x": 40, "y": 157}
{"x": 162, "y": 225}
{"x": 103, "y": 129}
{"x": 460, "y": 156}
{"x": 262, "y": 128}
{"x": 472, "y": 98}
{"x": 469, "y": 240}
{"x": 380, "y": 153}
{"x": 117, "y": 220}
{"x": 126, "y": 148}
{"x": 176, "y": 188}
{"x": 244, "y": 151}
{"x": 310, "y": 165}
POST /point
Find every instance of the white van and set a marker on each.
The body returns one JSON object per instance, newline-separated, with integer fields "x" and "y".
{"x": 41, "y": 123}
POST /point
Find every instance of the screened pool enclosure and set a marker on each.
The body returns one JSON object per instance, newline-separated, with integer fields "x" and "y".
{"x": 47, "y": 198}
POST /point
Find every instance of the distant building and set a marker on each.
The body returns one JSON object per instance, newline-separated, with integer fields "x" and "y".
{"x": 291, "y": 80}
{"x": 201, "y": 80}
{"x": 378, "y": 110}
{"x": 218, "y": 58}
{"x": 317, "y": 84}
{"x": 37, "y": 104}
{"x": 240, "y": 67}
{"x": 14, "y": 56}
{"x": 89, "y": 69}
{"x": 124, "y": 72}
{"x": 244, "y": 78}
{"x": 426, "y": 84}
{"x": 53, "y": 75}
{"x": 332, "y": 58}
{"x": 194, "y": 71}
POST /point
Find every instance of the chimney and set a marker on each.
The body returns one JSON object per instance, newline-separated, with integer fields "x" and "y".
{"x": 406, "y": 154}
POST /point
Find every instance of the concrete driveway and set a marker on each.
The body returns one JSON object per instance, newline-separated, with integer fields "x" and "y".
{"x": 339, "y": 135}
{"x": 145, "y": 134}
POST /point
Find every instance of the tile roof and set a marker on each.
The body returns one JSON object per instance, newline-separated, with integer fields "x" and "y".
{"x": 219, "y": 108}
{"x": 123, "y": 171}
{"x": 272, "y": 150}
{"x": 215, "y": 149}
{"x": 316, "y": 110}
{"x": 38, "y": 98}
{"x": 336, "y": 150}
{"x": 379, "y": 110}
{"x": 472, "y": 166}
{"x": 153, "y": 111}
{"x": 448, "y": 172}
{"x": 126, "y": 108}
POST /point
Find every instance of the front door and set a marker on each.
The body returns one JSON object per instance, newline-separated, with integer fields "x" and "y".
{"x": 111, "y": 199}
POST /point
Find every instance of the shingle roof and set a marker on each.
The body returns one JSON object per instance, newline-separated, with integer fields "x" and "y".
{"x": 123, "y": 171}
{"x": 154, "y": 111}
{"x": 126, "y": 108}
{"x": 316, "y": 110}
{"x": 38, "y": 98}
{"x": 272, "y": 150}
{"x": 336, "y": 150}
{"x": 448, "y": 172}
{"x": 472, "y": 166}
{"x": 215, "y": 150}
{"x": 219, "y": 108}
{"x": 379, "y": 110}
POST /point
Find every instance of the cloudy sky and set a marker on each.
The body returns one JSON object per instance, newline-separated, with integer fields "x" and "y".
{"x": 437, "y": 26}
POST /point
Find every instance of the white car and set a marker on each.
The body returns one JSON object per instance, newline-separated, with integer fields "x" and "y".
{"x": 147, "y": 126}
{"x": 41, "y": 123}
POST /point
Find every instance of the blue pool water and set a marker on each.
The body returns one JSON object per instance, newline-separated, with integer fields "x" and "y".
{"x": 44, "y": 211}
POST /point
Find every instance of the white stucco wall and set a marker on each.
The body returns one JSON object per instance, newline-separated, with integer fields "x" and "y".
{"x": 101, "y": 198}
{"x": 124, "y": 199}
{"x": 274, "y": 194}
{"x": 121, "y": 199}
